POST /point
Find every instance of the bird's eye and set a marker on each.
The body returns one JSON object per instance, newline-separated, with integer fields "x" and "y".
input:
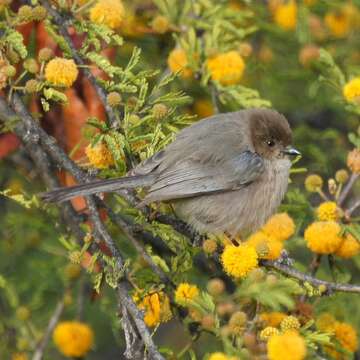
{"x": 270, "y": 143}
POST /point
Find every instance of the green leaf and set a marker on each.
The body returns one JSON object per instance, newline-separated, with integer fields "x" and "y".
{"x": 16, "y": 40}
{"x": 52, "y": 94}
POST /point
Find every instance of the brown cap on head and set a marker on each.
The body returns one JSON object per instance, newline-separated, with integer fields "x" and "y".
{"x": 270, "y": 132}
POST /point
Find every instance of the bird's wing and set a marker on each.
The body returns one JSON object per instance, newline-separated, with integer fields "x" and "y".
{"x": 188, "y": 178}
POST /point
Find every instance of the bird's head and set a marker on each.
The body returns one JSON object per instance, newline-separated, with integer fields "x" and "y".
{"x": 271, "y": 134}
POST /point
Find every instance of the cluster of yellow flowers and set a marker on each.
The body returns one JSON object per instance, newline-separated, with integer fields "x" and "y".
{"x": 267, "y": 243}
{"x": 99, "y": 155}
{"x": 185, "y": 293}
{"x": 156, "y": 307}
{"x": 178, "y": 62}
{"x": 73, "y": 338}
{"x": 343, "y": 332}
{"x": 221, "y": 356}
{"x": 283, "y": 339}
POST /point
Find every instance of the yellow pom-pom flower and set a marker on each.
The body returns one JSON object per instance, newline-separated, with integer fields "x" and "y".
{"x": 349, "y": 247}
{"x": 73, "y": 338}
{"x": 287, "y": 346}
{"x": 347, "y": 336}
{"x": 226, "y": 68}
{"x": 156, "y": 307}
{"x": 178, "y": 61}
{"x": 265, "y": 246}
{"x": 238, "y": 261}
{"x": 280, "y": 227}
{"x": 327, "y": 211}
{"x": 203, "y": 108}
{"x": 61, "y": 72}
{"x": 351, "y": 90}
{"x": 286, "y": 15}
{"x": 338, "y": 23}
{"x": 186, "y": 293}
{"x": 218, "y": 356}
{"x": 323, "y": 237}
{"x": 272, "y": 319}
{"x": 108, "y": 12}
{"x": 99, "y": 155}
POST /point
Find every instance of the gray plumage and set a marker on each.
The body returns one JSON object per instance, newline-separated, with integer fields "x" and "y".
{"x": 228, "y": 172}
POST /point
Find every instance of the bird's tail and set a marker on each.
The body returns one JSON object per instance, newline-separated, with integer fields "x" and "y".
{"x": 110, "y": 185}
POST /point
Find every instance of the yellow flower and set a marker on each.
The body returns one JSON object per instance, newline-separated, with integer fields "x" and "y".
{"x": 326, "y": 322}
{"x": 203, "y": 108}
{"x": 185, "y": 293}
{"x": 323, "y": 237}
{"x": 286, "y": 15}
{"x": 287, "y": 346}
{"x": 73, "y": 338}
{"x": 327, "y": 211}
{"x": 269, "y": 331}
{"x": 61, "y": 72}
{"x": 338, "y": 23}
{"x": 353, "y": 161}
{"x": 347, "y": 336}
{"x": 99, "y": 155}
{"x": 108, "y": 12}
{"x": 265, "y": 246}
{"x": 349, "y": 247}
{"x": 156, "y": 307}
{"x": 280, "y": 227}
{"x": 272, "y": 319}
{"x": 218, "y": 356}
{"x": 313, "y": 183}
{"x": 19, "y": 356}
{"x": 226, "y": 68}
{"x": 351, "y": 90}
{"x": 178, "y": 61}
{"x": 238, "y": 261}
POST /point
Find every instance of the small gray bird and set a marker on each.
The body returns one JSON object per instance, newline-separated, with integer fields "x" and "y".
{"x": 228, "y": 172}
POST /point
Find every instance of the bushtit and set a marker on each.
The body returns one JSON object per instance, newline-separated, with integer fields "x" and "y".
{"x": 228, "y": 172}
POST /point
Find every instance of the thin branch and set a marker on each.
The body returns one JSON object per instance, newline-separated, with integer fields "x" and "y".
{"x": 39, "y": 351}
{"x": 352, "y": 208}
{"x": 62, "y": 24}
{"x": 296, "y": 274}
{"x": 348, "y": 187}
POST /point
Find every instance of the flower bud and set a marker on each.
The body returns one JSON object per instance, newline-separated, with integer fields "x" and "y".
{"x": 72, "y": 271}
{"x": 25, "y": 14}
{"x": 245, "y": 49}
{"x": 39, "y": 13}
{"x": 225, "y": 308}
{"x": 159, "y": 111}
{"x": 290, "y": 323}
{"x": 131, "y": 102}
{"x": 9, "y": 71}
{"x": 32, "y": 86}
{"x": 215, "y": 287}
{"x": 23, "y": 313}
{"x": 332, "y": 186}
{"x": 308, "y": 54}
{"x": 45, "y": 54}
{"x": 160, "y": 24}
{"x": 313, "y": 183}
{"x": 268, "y": 332}
{"x": 113, "y": 99}
{"x": 208, "y": 322}
{"x": 237, "y": 322}
{"x": 12, "y": 56}
{"x": 209, "y": 246}
{"x": 353, "y": 161}
{"x": 134, "y": 119}
{"x": 31, "y": 66}
{"x": 23, "y": 344}
{"x": 75, "y": 257}
{"x": 342, "y": 176}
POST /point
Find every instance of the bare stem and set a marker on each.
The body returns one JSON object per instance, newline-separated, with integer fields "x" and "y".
{"x": 348, "y": 188}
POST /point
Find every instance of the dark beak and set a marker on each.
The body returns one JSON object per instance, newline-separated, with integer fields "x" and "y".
{"x": 291, "y": 151}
